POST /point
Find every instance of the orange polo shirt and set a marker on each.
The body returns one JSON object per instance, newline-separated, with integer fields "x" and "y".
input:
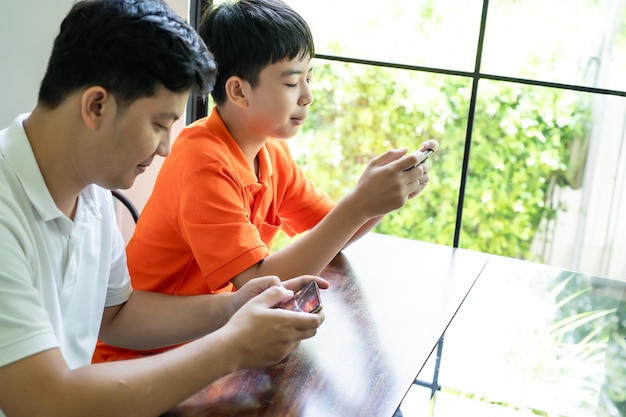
{"x": 209, "y": 218}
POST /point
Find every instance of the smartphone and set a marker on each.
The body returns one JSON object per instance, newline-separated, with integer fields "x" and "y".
{"x": 306, "y": 299}
{"x": 427, "y": 153}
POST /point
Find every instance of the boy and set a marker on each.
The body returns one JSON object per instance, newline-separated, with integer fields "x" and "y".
{"x": 231, "y": 184}
{"x": 119, "y": 75}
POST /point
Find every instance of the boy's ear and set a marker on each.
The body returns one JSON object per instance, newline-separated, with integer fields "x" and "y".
{"x": 95, "y": 101}
{"x": 236, "y": 91}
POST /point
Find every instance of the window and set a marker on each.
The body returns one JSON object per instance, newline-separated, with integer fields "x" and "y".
{"x": 526, "y": 97}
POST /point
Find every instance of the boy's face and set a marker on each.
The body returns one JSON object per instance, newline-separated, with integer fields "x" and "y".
{"x": 135, "y": 135}
{"x": 278, "y": 104}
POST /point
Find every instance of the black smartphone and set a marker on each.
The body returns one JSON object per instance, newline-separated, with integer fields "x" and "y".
{"x": 306, "y": 299}
{"x": 427, "y": 153}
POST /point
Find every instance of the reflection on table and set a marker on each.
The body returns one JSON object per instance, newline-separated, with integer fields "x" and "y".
{"x": 389, "y": 302}
{"x": 533, "y": 340}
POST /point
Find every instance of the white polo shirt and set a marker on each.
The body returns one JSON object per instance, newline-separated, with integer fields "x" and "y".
{"x": 56, "y": 275}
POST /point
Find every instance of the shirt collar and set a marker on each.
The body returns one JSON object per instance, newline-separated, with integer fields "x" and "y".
{"x": 246, "y": 174}
{"x": 15, "y": 147}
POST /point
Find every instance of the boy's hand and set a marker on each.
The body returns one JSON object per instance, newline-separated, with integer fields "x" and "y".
{"x": 387, "y": 182}
{"x": 424, "y": 178}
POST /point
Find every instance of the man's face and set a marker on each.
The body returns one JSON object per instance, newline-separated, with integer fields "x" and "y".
{"x": 279, "y": 103}
{"x": 135, "y": 135}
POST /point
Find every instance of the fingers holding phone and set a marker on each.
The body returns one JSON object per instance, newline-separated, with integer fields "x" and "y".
{"x": 425, "y": 155}
{"x": 428, "y": 148}
{"x": 307, "y": 299}
{"x": 420, "y": 182}
{"x": 296, "y": 283}
{"x": 390, "y": 179}
{"x": 261, "y": 334}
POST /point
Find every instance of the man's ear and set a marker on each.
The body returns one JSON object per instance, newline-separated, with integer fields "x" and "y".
{"x": 95, "y": 103}
{"x": 237, "y": 90}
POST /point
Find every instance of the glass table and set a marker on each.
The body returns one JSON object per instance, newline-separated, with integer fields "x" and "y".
{"x": 531, "y": 340}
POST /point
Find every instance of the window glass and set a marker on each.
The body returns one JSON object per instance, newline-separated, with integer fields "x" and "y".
{"x": 433, "y": 33}
{"x": 545, "y": 177}
{"x": 582, "y": 42}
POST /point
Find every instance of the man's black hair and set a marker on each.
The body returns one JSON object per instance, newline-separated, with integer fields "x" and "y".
{"x": 128, "y": 47}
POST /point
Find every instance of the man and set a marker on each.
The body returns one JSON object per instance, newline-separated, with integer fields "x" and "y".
{"x": 118, "y": 77}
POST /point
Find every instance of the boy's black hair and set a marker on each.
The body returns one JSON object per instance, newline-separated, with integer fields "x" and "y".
{"x": 245, "y": 36}
{"x": 128, "y": 47}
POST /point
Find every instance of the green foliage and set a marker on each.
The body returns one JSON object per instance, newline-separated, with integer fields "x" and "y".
{"x": 522, "y": 145}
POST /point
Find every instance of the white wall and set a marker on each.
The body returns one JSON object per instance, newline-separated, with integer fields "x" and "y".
{"x": 27, "y": 31}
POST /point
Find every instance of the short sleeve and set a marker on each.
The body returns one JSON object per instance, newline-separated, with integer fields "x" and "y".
{"x": 119, "y": 287}
{"x": 25, "y": 327}
{"x": 215, "y": 221}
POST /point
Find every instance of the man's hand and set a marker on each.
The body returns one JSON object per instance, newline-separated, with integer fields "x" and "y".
{"x": 260, "y": 335}
{"x": 257, "y": 286}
